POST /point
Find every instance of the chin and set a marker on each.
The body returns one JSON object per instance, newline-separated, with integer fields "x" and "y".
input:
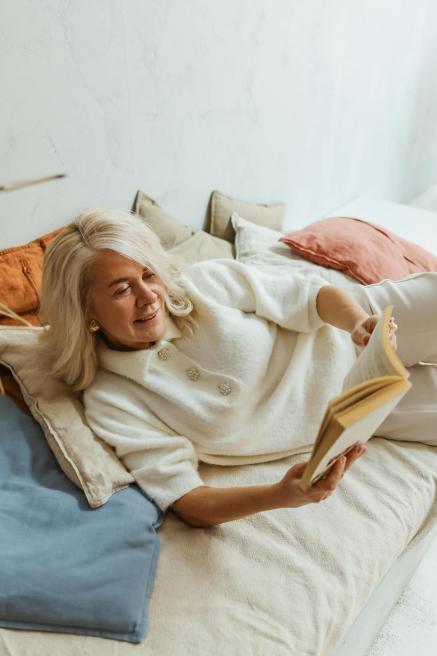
{"x": 150, "y": 333}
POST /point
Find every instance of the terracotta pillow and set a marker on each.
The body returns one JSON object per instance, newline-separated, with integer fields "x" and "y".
{"x": 20, "y": 278}
{"x": 20, "y": 284}
{"x": 362, "y": 250}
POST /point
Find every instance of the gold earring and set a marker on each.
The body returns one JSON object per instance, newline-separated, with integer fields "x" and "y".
{"x": 180, "y": 306}
{"x": 93, "y": 326}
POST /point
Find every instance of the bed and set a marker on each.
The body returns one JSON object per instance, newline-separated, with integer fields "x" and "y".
{"x": 316, "y": 581}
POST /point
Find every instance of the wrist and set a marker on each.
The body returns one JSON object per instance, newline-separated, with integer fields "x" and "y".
{"x": 277, "y": 495}
{"x": 356, "y": 319}
{"x": 339, "y": 309}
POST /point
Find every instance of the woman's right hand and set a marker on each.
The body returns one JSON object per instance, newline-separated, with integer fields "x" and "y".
{"x": 291, "y": 494}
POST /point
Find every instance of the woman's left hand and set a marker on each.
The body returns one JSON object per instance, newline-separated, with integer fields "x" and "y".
{"x": 364, "y": 328}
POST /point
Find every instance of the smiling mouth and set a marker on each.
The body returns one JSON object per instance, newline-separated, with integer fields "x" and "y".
{"x": 149, "y": 318}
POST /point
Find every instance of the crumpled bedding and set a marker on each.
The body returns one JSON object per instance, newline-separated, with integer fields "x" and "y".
{"x": 282, "y": 582}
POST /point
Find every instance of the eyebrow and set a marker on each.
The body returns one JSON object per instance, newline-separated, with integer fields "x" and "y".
{"x": 115, "y": 282}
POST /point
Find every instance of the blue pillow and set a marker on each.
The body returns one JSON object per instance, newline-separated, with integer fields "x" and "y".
{"x": 65, "y": 567}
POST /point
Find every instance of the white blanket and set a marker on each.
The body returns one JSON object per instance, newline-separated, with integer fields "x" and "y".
{"x": 284, "y": 582}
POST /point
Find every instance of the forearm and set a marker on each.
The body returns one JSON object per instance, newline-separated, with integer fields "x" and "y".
{"x": 339, "y": 308}
{"x": 208, "y": 506}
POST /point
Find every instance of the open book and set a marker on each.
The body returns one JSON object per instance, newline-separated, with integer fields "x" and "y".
{"x": 374, "y": 385}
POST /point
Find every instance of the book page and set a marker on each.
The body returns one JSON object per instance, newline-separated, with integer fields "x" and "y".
{"x": 378, "y": 358}
{"x": 354, "y": 395}
{"x": 358, "y": 431}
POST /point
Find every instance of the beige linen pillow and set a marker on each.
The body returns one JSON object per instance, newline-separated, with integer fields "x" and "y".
{"x": 184, "y": 242}
{"x": 201, "y": 246}
{"x": 85, "y": 459}
{"x": 270, "y": 216}
{"x": 170, "y": 231}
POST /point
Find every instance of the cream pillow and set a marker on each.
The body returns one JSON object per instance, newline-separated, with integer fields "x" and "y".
{"x": 86, "y": 460}
{"x": 261, "y": 246}
{"x": 258, "y": 243}
{"x": 186, "y": 244}
{"x": 202, "y": 246}
{"x": 222, "y": 207}
{"x": 170, "y": 231}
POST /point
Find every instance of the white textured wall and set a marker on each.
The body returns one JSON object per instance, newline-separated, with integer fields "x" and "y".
{"x": 304, "y": 101}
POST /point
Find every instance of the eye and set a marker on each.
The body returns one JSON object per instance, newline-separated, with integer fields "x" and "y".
{"x": 148, "y": 274}
{"x": 122, "y": 291}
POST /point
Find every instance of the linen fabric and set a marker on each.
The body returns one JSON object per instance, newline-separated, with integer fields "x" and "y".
{"x": 170, "y": 230}
{"x": 244, "y": 389}
{"x": 87, "y": 461}
{"x": 199, "y": 247}
{"x": 222, "y": 207}
{"x": 63, "y": 566}
{"x": 365, "y": 251}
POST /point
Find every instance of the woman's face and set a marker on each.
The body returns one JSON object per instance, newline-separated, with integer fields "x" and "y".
{"x": 127, "y": 300}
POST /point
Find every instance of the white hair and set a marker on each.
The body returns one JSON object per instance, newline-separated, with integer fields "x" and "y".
{"x": 69, "y": 345}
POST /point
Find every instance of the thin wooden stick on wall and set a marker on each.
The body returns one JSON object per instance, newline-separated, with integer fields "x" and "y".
{"x": 12, "y": 186}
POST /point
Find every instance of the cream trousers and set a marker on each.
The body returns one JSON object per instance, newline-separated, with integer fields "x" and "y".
{"x": 414, "y": 301}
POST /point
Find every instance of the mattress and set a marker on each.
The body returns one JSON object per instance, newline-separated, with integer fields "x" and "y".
{"x": 283, "y": 582}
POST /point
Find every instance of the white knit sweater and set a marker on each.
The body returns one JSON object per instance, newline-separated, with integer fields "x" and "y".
{"x": 250, "y": 386}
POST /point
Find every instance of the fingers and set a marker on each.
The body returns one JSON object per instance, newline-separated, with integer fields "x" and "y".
{"x": 392, "y": 333}
{"x": 392, "y": 324}
{"x": 299, "y": 468}
{"x": 327, "y": 484}
{"x": 354, "y": 454}
{"x": 363, "y": 331}
{"x": 361, "y": 336}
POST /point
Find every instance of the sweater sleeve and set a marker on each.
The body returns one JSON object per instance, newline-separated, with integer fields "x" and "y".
{"x": 163, "y": 464}
{"x": 288, "y": 300}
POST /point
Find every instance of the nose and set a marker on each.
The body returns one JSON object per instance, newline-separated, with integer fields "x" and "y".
{"x": 145, "y": 295}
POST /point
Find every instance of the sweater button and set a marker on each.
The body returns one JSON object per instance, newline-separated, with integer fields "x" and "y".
{"x": 164, "y": 354}
{"x": 224, "y": 388}
{"x": 193, "y": 373}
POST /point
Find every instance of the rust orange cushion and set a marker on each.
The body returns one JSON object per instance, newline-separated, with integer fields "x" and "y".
{"x": 20, "y": 278}
{"x": 20, "y": 285}
{"x": 363, "y": 250}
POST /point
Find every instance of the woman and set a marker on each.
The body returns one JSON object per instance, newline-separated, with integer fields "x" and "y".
{"x": 222, "y": 362}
